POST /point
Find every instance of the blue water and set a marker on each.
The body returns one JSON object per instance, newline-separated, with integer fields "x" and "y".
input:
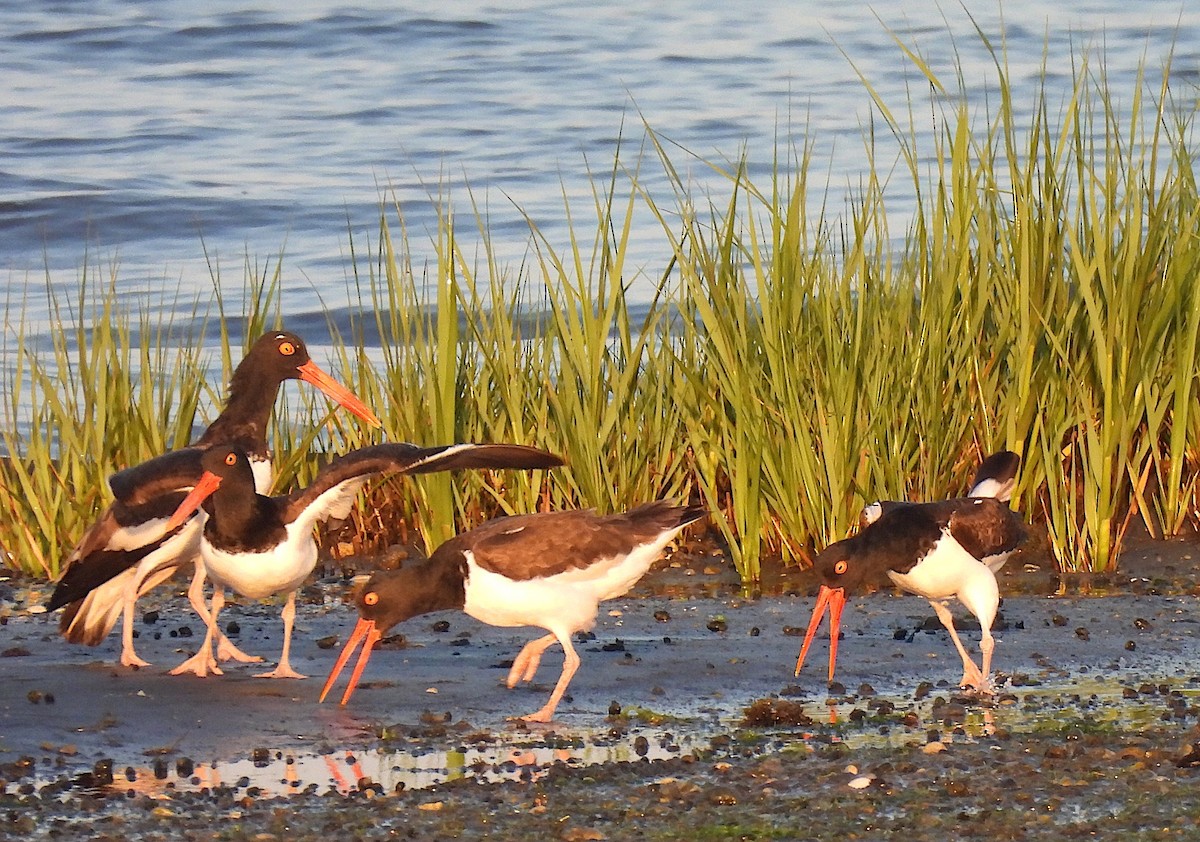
{"x": 156, "y": 141}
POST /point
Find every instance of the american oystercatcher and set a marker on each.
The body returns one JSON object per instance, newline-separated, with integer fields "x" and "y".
{"x": 127, "y": 552}
{"x": 996, "y": 477}
{"x": 551, "y": 570}
{"x": 940, "y": 550}
{"x": 261, "y": 546}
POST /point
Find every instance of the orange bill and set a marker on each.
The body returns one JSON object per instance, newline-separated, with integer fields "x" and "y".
{"x": 310, "y": 372}
{"x": 208, "y": 483}
{"x": 833, "y": 599}
{"x": 366, "y": 632}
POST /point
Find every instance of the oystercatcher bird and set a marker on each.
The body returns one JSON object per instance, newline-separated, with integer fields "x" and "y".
{"x": 261, "y": 546}
{"x": 127, "y": 551}
{"x": 996, "y": 477}
{"x": 551, "y": 570}
{"x": 940, "y": 550}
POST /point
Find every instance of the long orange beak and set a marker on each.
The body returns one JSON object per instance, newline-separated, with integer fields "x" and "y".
{"x": 835, "y": 600}
{"x": 365, "y": 631}
{"x": 208, "y": 483}
{"x": 310, "y": 372}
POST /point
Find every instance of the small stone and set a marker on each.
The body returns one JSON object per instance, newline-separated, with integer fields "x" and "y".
{"x": 721, "y": 796}
{"x": 1082, "y": 633}
{"x": 1058, "y": 619}
{"x": 717, "y": 624}
{"x": 935, "y": 747}
{"x": 861, "y": 782}
{"x": 1142, "y": 624}
{"x": 662, "y": 616}
{"x": 431, "y": 806}
{"x": 1130, "y": 646}
{"x": 957, "y": 789}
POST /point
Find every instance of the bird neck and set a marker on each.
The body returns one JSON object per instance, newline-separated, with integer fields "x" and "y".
{"x": 436, "y": 584}
{"x": 246, "y": 414}
{"x": 240, "y": 517}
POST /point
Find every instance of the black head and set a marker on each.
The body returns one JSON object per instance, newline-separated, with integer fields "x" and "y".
{"x": 229, "y": 464}
{"x": 277, "y": 355}
{"x": 837, "y": 566}
{"x": 223, "y": 467}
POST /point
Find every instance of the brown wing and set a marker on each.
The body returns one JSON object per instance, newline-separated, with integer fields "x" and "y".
{"x": 544, "y": 544}
{"x": 335, "y": 485}
{"x": 986, "y": 527}
{"x": 172, "y": 471}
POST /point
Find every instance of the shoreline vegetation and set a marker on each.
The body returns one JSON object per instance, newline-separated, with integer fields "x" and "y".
{"x": 795, "y": 364}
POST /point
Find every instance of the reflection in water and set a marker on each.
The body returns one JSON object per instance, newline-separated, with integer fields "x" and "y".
{"x": 1078, "y": 706}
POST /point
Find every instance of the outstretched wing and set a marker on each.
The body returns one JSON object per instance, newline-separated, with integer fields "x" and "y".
{"x": 175, "y": 470}
{"x": 335, "y": 486}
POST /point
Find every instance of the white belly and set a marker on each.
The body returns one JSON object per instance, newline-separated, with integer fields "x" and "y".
{"x": 942, "y": 573}
{"x": 281, "y": 569}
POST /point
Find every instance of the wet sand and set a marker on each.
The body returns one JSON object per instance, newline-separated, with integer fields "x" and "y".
{"x": 664, "y": 686}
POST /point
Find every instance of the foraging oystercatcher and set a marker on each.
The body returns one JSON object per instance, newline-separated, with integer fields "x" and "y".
{"x": 127, "y": 552}
{"x": 940, "y": 550}
{"x": 551, "y": 570}
{"x": 260, "y": 546}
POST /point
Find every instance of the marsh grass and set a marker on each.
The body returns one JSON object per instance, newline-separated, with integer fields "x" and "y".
{"x": 1037, "y": 293}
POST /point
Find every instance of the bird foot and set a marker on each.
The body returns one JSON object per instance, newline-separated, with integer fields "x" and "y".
{"x": 226, "y": 651}
{"x": 976, "y": 683}
{"x": 281, "y": 671}
{"x": 130, "y": 659}
{"x": 542, "y": 715}
{"x": 199, "y": 665}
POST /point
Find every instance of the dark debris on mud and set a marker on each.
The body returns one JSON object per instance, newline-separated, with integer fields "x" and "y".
{"x": 1058, "y": 785}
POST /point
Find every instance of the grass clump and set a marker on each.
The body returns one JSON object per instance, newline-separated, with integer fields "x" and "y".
{"x": 1037, "y": 292}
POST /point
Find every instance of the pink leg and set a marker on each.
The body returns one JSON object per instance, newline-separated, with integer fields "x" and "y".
{"x": 973, "y": 676}
{"x": 570, "y": 664}
{"x": 129, "y": 658}
{"x": 225, "y": 648}
{"x": 284, "y": 670}
{"x": 526, "y": 663}
{"x": 202, "y": 663}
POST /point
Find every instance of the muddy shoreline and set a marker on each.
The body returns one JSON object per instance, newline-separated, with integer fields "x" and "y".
{"x": 1098, "y": 707}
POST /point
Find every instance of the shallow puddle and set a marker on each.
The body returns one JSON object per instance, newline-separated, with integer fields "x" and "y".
{"x": 1062, "y": 711}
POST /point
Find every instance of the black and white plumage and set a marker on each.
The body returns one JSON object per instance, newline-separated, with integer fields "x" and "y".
{"x": 550, "y": 570}
{"x": 260, "y": 546}
{"x": 127, "y": 551}
{"x": 996, "y": 477}
{"x": 940, "y": 550}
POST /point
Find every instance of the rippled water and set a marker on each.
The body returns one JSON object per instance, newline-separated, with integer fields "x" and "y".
{"x": 155, "y": 138}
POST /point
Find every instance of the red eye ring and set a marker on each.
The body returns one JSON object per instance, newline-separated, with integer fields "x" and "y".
{"x": 841, "y": 567}
{"x": 371, "y": 598}
{"x": 287, "y": 348}
{"x": 230, "y": 458}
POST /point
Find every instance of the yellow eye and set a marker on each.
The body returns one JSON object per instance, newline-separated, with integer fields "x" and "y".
{"x": 230, "y": 458}
{"x": 840, "y": 567}
{"x": 287, "y": 348}
{"x": 371, "y": 599}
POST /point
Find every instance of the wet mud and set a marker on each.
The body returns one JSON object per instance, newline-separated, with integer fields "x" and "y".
{"x": 685, "y": 719}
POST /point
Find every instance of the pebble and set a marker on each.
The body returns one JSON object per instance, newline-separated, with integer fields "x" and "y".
{"x": 861, "y": 782}
{"x": 935, "y": 747}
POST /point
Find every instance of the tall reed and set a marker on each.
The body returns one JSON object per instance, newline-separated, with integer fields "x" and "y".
{"x": 1036, "y": 292}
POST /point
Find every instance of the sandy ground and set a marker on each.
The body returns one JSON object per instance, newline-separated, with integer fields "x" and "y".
{"x": 680, "y": 660}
